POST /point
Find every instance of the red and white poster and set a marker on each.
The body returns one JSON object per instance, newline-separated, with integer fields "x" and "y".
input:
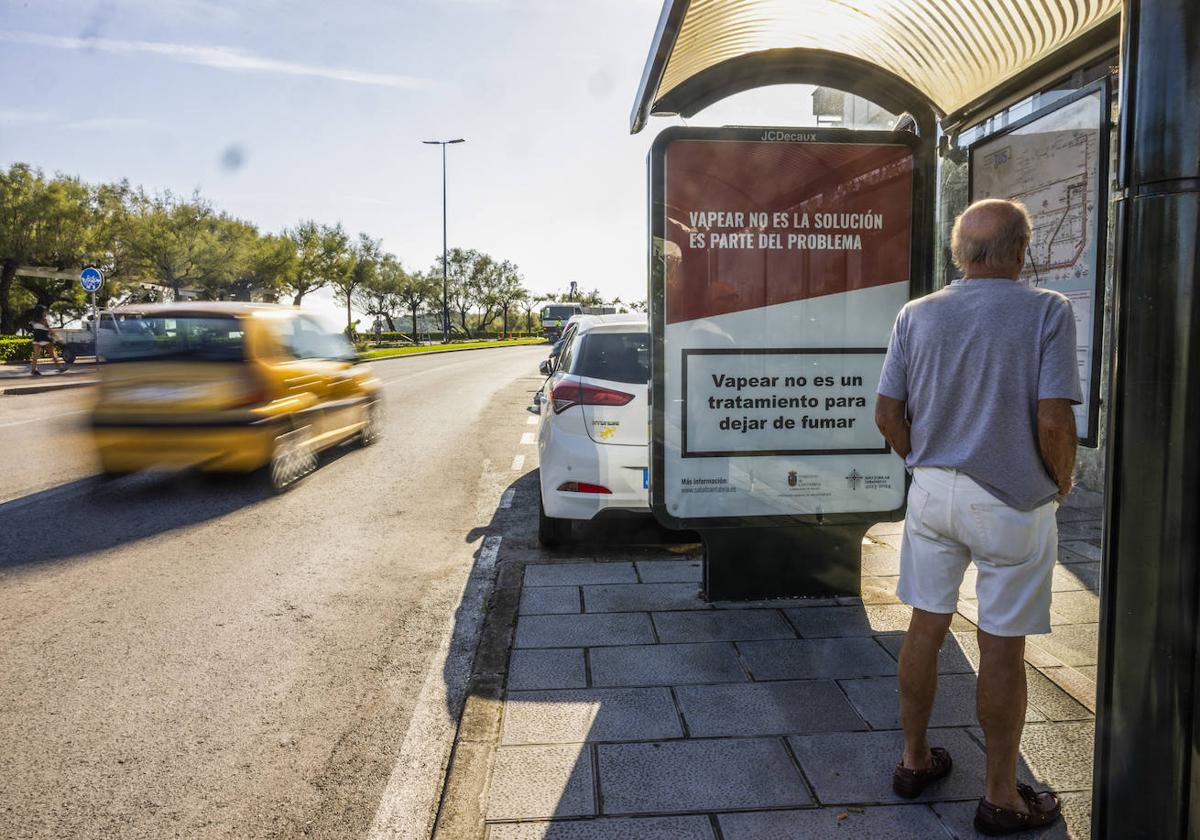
{"x": 785, "y": 259}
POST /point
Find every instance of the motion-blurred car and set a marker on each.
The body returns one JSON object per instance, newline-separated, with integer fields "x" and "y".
{"x": 593, "y": 439}
{"x": 228, "y": 387}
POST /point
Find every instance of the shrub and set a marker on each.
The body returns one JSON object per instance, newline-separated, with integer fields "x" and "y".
{"x": 13, "y": 349}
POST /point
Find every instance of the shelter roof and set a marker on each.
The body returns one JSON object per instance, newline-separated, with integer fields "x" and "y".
{"x": 941, "y": 55}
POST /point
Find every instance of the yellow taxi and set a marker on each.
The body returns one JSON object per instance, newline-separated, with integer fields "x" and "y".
{"x": 228, "y": 387}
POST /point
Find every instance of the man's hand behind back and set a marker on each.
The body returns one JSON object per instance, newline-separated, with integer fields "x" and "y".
{"x": 1057, "y": 442}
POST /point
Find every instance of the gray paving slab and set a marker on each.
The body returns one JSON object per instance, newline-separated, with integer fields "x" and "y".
{"x": 701, "y": 775}
{"x": 1071, "y": 644}
{"x": 893, "y": 540}
{"x": 670, "y": 571}
{"x": 642, "y": 597}
{"x": 1054, "y": 703}
{"x": 771, "y": 708}
{"x": 805, "y": 659}
{"x": 877, "y": 699}
{"x": 886, "y": 528}
{"x": 1057, "y": 755}
{"x": 1084, "y": 529}
{"x": 681, "y": 664}
{"x": 546, "y": 668}
{"x": 608, "y": 828}
{"x": 1076, "y": 822}
{"x": 585, "y": 630}
{"x": 1083, "y": 548}
{"x": 775, "y": 603}
{"x": 959, "y": 653}
{"x": 856, "y": 767}
{"x": 879, "y": 589}
{"x": 721, "y": 626}
{"x": 1066, "y": 555}
{"x": 589, "y": 714}
{"x": 578, "y": 574}
{"x": 550, "y": 600}
{"x": 541, "y": 782}
{"x": 854, "y": 621}
{"x": 1076, "y": 576}
{"x": 885, "y": 822}
{"x": 1075, "y": 607}
{"x": 880, "y": 560}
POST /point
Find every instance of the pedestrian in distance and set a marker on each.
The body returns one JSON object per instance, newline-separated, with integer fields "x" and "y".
{"x": 976, "y": 395}
{"x": 43, "y": 340}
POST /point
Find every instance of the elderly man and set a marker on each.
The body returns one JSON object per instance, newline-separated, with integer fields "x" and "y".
{"x": 976, "y": 395}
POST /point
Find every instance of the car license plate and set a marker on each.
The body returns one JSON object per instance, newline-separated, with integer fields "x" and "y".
{"x": 645, "y": 478}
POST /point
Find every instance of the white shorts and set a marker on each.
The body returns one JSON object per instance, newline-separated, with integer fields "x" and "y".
{"x": 951, "y": 521}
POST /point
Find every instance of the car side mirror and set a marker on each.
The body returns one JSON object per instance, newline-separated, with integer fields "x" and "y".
{"x": 545, "y": 368}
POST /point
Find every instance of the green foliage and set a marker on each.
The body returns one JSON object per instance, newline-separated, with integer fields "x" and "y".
{"x": 14, "y": 349}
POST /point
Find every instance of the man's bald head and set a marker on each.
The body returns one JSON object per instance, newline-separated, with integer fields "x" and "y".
{"x": 990, "y": 238}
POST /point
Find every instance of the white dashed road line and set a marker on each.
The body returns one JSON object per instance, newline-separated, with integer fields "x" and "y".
{"x": 528, "y": 439}
{"x": 518, "y": 462}
{"x": 506, "y": 501}
{"x": 531, "y": 420}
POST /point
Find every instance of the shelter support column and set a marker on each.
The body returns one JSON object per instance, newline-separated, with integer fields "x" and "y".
{"x": 1148, "y": 729}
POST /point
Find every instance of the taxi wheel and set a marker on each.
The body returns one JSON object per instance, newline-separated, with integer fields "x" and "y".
{"x": 292, "y": 458}
{"x": 373, "y": 430}
{"x": 552, "y": 533}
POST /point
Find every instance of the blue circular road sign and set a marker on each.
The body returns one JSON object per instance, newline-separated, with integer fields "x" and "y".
{"x": 91, "y": 279}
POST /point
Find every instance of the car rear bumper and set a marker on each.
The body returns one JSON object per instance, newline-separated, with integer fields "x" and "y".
{"x": 576, "y": 458}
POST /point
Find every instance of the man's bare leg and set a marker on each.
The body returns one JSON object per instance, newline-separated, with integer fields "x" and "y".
{"x": 1000, "y": 702}
{"x": 918, "y": 682}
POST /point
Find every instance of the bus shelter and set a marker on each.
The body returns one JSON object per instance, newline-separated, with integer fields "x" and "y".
{"x": 1126, "y": 73}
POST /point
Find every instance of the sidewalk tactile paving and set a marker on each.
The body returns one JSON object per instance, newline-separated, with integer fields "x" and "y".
{"x": 1076, "y": 822}
{"x": 681, "y": 664}
{"x": 541, "y": 782}
{"x": 795, "y": 659}
{"x": 721, "y": 626}
{"x": 549, "y": 600}
{"x": 609, "y": 828}
{"x": 579, "y": 574}
{"x": 856, "y": 767}
{"x": 877, "y": 699}
{"x": 773, "y": 708}
{"x": 590, "y": 714}
{"x": 706, "y": 775}
{"x": 670, "y": 571}
{"x": 583, "y": 630}
{"x": 546, "y": 668}
{"x": 884, "y": 822}
{"x": 642, "y": 597}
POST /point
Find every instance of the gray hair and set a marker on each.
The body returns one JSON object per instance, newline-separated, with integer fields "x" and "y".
{"x": 992, "y": 233}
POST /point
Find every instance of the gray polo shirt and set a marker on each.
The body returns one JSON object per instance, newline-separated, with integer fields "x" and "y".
{"x": 971, "y": 361}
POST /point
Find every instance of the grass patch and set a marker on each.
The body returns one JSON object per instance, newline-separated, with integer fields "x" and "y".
{"x": 387, "y": 352}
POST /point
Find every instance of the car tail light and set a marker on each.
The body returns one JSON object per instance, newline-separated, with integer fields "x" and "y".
{"x": 566, "y": 394}
{"x": 583, "y": 487}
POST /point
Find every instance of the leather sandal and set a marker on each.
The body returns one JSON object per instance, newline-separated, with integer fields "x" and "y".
{"x": 995, "y": 821}
{"x": 911, "y": 783}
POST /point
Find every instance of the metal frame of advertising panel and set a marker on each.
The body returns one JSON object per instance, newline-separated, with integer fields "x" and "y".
{"x": 1097, "y": 222}
{"x": 919, "y": 282}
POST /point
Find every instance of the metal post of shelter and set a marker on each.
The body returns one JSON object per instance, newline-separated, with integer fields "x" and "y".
{"x": 1147, "y": 782}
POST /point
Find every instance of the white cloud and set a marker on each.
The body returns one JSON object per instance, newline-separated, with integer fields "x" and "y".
{"x": 25, "y": 117}
{"x": 221, "y": 58}
{"x": 106, "y": 123}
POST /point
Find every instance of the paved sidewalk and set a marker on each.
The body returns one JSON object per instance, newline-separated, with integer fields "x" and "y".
{"x": 17, "y": 379}
{"x": 633, "y": 709}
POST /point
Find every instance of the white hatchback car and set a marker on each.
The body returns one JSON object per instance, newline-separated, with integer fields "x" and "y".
{"x": 594, "y": 436}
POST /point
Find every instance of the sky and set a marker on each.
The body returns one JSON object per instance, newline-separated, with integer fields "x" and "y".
{"x": 282, "y": 110}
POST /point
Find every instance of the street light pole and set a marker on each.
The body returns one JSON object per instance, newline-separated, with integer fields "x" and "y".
{"x": 445, "y": 250}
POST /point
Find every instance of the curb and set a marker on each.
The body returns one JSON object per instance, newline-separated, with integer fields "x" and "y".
{"x": 451, "y": 350}
{"x": 19, "y": 390}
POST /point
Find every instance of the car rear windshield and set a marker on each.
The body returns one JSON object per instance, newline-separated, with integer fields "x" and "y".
{"x": 180, "y": 338}
{"x": 619, "y": 357}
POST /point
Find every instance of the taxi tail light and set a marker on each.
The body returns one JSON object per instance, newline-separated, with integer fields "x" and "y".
{"x": 567, "y": 394}
{"x": 584, "y": 487}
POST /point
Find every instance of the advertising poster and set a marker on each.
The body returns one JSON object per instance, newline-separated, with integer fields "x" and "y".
{"x": 783, "y": 258}
{"x": 1054, "y": 162}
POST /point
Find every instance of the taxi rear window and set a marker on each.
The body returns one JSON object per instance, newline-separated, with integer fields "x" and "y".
{"x": 618, "y": 357}
{"x": 178, "y": 338}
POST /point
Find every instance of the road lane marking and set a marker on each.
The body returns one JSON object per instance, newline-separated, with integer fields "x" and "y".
{"x": 528, "y": 439}
{"x": 518, "y": 462}
{"x": 531, "y": 420}
{"x": 408, "y": 806}
{"x": 507, "y": 499}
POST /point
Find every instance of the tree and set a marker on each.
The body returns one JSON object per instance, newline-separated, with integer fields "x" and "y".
{"x": 321, "y": 252}
{"x": 528, "y": 303}
{"x": 358, "y": 267}
{"x": 171, "y": 241}
{"x": 508, "y": 290}
{"x": 462, "y": 265}
{"x": 417, "y": 290}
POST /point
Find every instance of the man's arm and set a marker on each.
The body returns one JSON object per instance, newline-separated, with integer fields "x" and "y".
{"x": 1057, "y": 441}
{"x": 892, "y": 421}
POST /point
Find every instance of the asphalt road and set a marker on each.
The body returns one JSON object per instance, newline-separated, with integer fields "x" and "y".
{"x": 191, "y": 657}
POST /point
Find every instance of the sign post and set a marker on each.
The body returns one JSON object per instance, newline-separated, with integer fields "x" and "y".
{"x": 91, "y": 279}
{"x": 779, "y": 260}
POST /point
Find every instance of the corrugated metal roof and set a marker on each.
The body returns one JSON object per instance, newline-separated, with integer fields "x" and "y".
{"x": 951, "y": 51}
